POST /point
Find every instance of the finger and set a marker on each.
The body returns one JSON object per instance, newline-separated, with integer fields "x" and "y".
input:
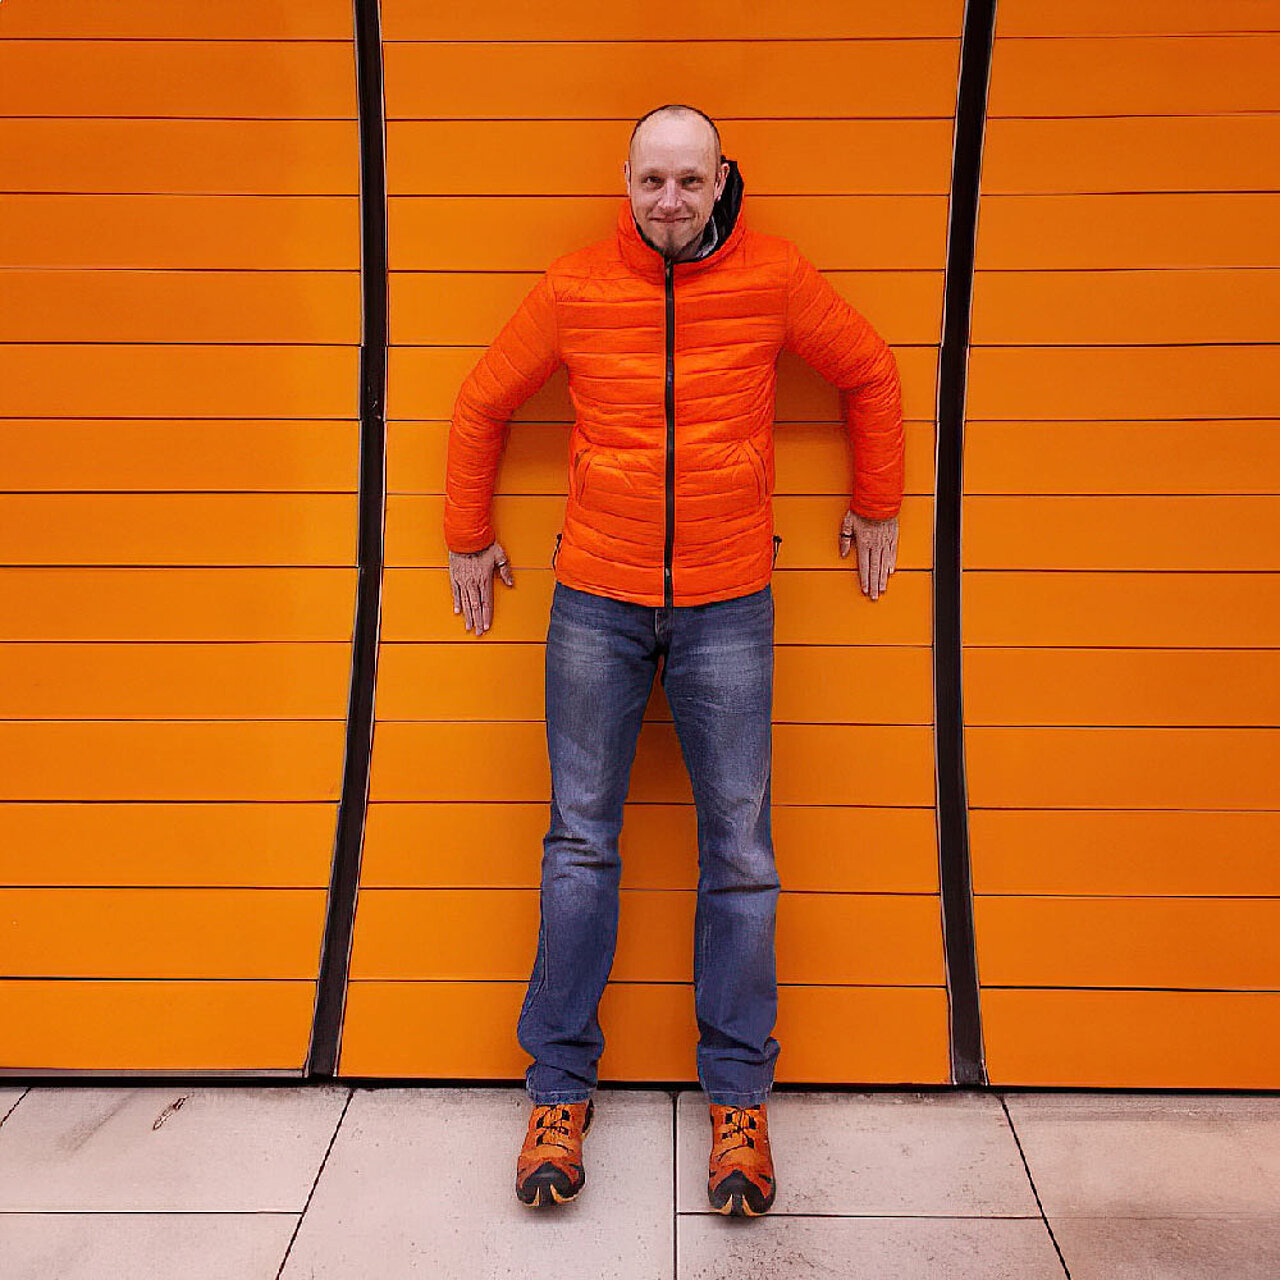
{"x": 457, "y": 599}
{"x": 864, "y": 565}
{"x": 486, "y": 602}
{"x": 846, "y": 533}
{"x": 467, "y": 616}
{"x": 473, "y": 595}
{"x": 873, "y": 570}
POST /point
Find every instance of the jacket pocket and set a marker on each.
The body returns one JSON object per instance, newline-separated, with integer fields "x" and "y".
{"x": 582, "y": 461}
{"x": 759, "y": 467}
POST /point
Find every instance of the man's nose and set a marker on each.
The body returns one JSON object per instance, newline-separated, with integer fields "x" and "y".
{"x": 670, "y": 197}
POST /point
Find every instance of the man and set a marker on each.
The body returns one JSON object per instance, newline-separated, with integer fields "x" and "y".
{"x": 670, "y": 330}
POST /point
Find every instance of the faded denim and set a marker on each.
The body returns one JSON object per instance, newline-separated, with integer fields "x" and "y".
{"x": 717, "y": 672}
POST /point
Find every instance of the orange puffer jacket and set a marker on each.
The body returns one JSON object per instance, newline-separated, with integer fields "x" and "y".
{"x": 672, "y": 371}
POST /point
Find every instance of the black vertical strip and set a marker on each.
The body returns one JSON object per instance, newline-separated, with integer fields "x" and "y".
{"x": 968, "y": 1065}
{"x": 344, "y": 877}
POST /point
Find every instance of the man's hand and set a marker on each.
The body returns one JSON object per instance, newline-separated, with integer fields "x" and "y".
{"x": 877, "y": 549}
{"x": 471, "y": 577}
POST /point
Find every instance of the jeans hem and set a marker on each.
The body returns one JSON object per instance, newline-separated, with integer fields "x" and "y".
{"x": 721, "y": 1098}
{"x": 541, "y": 1099}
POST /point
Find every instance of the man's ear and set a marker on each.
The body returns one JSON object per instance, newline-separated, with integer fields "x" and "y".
{"x": 626, "y": 174}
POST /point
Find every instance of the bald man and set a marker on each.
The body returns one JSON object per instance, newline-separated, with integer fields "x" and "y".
{"x": 670, "y": 330}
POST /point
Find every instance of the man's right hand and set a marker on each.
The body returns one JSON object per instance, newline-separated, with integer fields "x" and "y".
{"x": 471, "y": 577}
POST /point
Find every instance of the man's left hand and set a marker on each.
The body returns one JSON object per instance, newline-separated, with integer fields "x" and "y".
{"x": 877, "y": 549}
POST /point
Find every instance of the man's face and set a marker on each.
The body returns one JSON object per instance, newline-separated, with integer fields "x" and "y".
{"x": 673, "y": 178}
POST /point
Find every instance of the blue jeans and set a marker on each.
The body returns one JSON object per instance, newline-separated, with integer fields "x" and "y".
{"x": 717, "y": 673}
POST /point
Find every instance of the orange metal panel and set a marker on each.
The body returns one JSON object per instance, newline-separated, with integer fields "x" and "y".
{"x": 491, "y": 934}
{"x": 198, "y": 157}
{"x": 1121, "y": 686}
{"x": 1215, "y": 457}
{"x": 177, "y": 604}
{"x": 505, "y": 682}
{"x": 148, "y": 760}
{"x": 180, "y": 306}
{"x": 1139, "y": 307}
{"x": 169, "y": 681}
{"x": 1222, "y": 943}
{"x": 584, "y": 157}
{"x": 832, "y": 849}
{"x": 774, "y": 79}
{"x": 508, "y": 233}
{"x": 1137, "y": 17}
{"x": 1134, "y": 230}
{"x": 451, "y": 309}
{"x": 812, "y": 607}
{"x": 394, "y": 1029}
{"x": 177, "y": 381}
{"x": 1124, "y": 382}
{"x": 813, "y": 764}
{"x": 1141, "y": 532}
{"x": 161, "y": 933}
{"x": 1103, "y": 768}
{"x": 318, "y": 233}
{"x": 1124, "y": 154}
{"x": 424, "y": 381}
{"x": 810, "y": 529}
{"x": 43, "y": 454}
{"x": 155, "y": 19}
{"x": 178, "y": 529}
{"x": 809, "y": 458}
{"x": 637, "y": 20}
{"x": 1153, "y": 75}
{"x": 1133, "y": 1039}
{"x": 260, "y": 79}
{"x": 155, "y": 1026}
{"x": 1162, "y": 609}
{"x": 227, "y": 845}
{"x": 1174, "y": 852}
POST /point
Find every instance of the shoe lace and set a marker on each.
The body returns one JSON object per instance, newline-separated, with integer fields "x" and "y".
{"x": 553, "y": 1126}
{"x": 738, "y": 1125}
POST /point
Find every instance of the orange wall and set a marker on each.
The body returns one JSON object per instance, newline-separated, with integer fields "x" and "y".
{"x": 1121, "y": 526}
{"x": 178, "y": 334}
{"x": 504, "y": 154}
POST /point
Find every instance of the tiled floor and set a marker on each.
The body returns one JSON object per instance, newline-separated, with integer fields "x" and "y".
{"x": 330, "y": 1183}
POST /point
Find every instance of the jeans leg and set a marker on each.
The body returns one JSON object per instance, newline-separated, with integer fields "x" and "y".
{"x": 600, "y": 663}
{"x": 718, "y": 679}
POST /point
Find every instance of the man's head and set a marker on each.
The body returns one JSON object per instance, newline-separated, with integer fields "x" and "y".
{"x": 674, "y": 175}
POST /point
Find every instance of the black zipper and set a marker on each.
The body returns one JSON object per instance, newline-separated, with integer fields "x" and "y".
{"x": 668, "y": 593}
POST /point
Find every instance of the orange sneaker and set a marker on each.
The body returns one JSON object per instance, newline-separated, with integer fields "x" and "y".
{"x": 740, "y": 1173}
{"x": 549, "y": 1168}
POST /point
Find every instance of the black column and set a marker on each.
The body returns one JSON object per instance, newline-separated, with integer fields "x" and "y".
{"x": 968, "y": 1065}
{"x": 344, "y": 878}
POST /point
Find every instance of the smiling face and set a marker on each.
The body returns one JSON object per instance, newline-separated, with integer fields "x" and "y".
{"x": 673, "y": 179}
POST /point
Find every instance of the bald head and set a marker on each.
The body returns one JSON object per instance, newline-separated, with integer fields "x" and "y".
{"x": 674, "y": 175}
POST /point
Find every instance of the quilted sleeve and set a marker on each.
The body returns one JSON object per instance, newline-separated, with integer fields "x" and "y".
{"x": 522, "y": 357}
{"x": 839, "y": 342}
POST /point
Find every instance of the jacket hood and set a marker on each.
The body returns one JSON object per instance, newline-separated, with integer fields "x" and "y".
{"x": 726, "y": 214}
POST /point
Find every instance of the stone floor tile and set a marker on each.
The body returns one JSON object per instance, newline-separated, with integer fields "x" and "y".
{"x": 421, "y": 1182}
{"x": 710, "y": 1247}
{"x": 143, "y": 1246}
{"x": 225, "y": 1148}
{"x": 1124, "y": 1155}
{"x": 875, "y": 1153}
{"x": 1170, "y": 1248}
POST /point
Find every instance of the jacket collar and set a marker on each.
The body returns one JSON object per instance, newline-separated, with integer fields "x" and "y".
{"x": 726, "y": 217}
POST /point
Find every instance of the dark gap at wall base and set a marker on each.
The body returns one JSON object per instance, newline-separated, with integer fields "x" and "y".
{"x": 968, "y": 1063}
{"x": 344, "y": 877}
